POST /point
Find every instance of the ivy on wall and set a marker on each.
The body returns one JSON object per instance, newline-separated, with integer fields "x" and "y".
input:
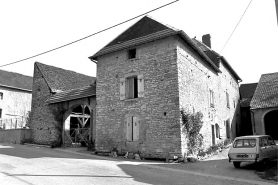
{"x": 191, "y": 126}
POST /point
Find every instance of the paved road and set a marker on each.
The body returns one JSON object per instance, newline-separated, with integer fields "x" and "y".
{"x": 32, "y": 165}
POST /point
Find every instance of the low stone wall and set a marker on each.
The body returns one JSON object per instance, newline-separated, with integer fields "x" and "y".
{"x": 14, "y": 135}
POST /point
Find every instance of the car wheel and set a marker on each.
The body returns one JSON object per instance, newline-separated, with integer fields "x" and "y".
{"x": 236, "y": 164}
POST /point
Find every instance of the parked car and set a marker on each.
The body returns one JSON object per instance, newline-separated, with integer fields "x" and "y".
{"x": 255, "y": 148}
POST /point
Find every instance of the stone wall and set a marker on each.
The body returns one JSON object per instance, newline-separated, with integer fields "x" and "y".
{"x": 196, "y": 79}
{"x": 158, "y": 110}
{"x": 175, "y": 78}
{"x": 46, "y": 120}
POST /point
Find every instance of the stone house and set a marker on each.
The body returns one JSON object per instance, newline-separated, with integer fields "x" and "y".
{"x": 63, "y": 105}
{"x": 147, "y": 75}
{"x": 15, "y": 99}
{"x": 264, "y": 106}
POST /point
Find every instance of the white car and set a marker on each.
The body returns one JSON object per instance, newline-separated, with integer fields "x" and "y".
{"x": 255, "y": 148}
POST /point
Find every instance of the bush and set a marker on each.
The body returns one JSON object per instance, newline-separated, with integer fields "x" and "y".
{"x": 29, "y": 140}
{"x": 55, "y": 144}
{"x": 192, "y": 124}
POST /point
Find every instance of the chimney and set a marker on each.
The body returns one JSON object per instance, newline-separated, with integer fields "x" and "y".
{"x": 206, "y": 40}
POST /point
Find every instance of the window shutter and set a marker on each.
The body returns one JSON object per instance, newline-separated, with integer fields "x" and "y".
{"x": 129, "y": 129}
{"x": 135, "y": 129}
{"x": 131, "y": 87}
{"x": 140, "y": 86}
{"x": 122, "y": 88}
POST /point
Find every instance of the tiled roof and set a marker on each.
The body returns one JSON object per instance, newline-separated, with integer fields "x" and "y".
{"x": 136, "y": 30}
{"x": 247, "y": 90}
{"x": 266, "y": 94}
{"x": 215, "y": 57}
{"x": 72, "y": 94}
{"x": 148, "y": 30}
{"x": 62, "y": 80}
{"x": 15, "y": 80}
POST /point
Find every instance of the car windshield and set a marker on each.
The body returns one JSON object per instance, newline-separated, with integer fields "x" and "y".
{"x": 245, "y": 143}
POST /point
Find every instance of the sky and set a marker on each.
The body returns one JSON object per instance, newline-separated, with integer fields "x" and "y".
{"x": 31, "y": 27}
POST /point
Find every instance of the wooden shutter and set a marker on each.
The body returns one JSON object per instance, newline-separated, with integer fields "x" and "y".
{"x": 129, "y": 129}
{"x": 135, "y": 129}
{"x": 122, "y": 88}
{"x": 222, "y": 131}
{"x": 140, "y": 86}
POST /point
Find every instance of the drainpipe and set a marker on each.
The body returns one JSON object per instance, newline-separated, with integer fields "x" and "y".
{"x": 253, "y": 122}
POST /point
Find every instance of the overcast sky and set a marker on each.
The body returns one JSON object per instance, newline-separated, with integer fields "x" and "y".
{"x": 30, "y": 27}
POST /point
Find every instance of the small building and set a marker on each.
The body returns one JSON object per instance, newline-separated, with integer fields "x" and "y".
{"x": 246, "y": 94}
{"x": 63, "y": 105}
{"x": 147, "y": 75}
{"x": 15, "y": 99}
{"x": 264, "y": 106}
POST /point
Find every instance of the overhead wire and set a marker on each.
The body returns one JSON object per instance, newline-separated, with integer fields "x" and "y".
{"x": 236, "y": 26}
{"x": 90, "y": 35}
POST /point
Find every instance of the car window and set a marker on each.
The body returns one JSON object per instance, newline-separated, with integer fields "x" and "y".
{"x": 265, "y": 141}
{"x": 271, "y": 141}
{"x": 245, "y": 143}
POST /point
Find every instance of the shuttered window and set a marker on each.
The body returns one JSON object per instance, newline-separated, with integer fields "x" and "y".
{"x": 131, "y": 87}
{"x": 132, "y": 128}
{"x": 211, "y": 98}
{"x": 227, "y": 99}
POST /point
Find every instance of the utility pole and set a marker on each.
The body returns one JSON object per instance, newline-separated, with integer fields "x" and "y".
{"x": 276, "y": 4}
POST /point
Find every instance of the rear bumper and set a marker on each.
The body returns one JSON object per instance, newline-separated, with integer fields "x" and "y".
{"x": 245, "y": 160}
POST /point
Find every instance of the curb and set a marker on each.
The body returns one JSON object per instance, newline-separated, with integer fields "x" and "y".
{"x": 29, "y": 144}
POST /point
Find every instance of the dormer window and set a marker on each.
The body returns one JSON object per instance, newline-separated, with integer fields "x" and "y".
{"x": 131, "y": 53}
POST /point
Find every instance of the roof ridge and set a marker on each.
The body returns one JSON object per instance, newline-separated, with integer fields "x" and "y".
{"x": 167, "y": 25}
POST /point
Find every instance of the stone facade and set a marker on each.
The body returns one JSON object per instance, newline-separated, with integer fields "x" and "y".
{"x": 48, "y": 119}
{"x": 174, "y": 78}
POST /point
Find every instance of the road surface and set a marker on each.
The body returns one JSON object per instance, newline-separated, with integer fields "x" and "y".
{"x": 20, "y": 164}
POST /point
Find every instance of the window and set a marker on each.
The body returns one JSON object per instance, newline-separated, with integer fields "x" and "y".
{"x": 211, "y": 98}
{"x": 271, "y": 141}
{"x": 132, "y": 86}
{"x": 264, "y": 141}
{"x": 228, "y": 128}
{"x": 0, "y": 113}
{"x": 1, "y": 96}
{"x": 245, "y": 143}
{"x": 131, "y": 53}
{"x": 227, "y": 98}
{"x": 217, "y": 131}
{"x": 132, "y": 128}
{"x": 234, "y": 104}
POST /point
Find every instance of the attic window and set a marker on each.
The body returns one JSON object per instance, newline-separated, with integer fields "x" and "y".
{"x": 131, "y": 53}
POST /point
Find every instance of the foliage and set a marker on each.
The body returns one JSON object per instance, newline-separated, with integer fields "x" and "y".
{"x": 28, "y": 119}
{"x": 213, "y": 149}
{"x": 192, "y": 124}
{"x": 29, "y": 140}
{"x": 55, "y": 144}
